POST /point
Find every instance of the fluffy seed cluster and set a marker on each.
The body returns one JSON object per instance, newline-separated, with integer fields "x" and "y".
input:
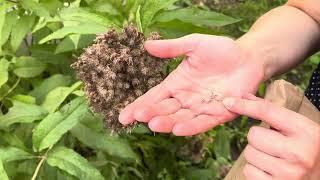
{"x": 116, "y": 70}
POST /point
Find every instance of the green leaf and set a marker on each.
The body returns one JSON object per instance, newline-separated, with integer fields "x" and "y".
{"x": 24, "y": 98}
{"x": 20, "y": 30}
{"x": 48, "y": 85}
{"x": 112, "y": 145}
{"x": 177, "y": 28}
{"x": 85, "y": 15}
{"x": 11, "y": 19}
{"x": 51, "y": 129}
{"x": 73, "y": 42}
{"x": 200, "y": 174}
{"x": 104, "y": 6}
{"x": 138, "y": 19}
{"x": 197, "y": 17}
{"x": 13, "y": 140}
{"x": 42, "y": 22}
{"x": 3, "y": 174}
{"x": 2, "y": 21}
{"x": 35, "y": 7}
{"x": 151, "y": 8}
{"x": 57, "y": 96}
{"x": 78, "y": 92}
{"x": 28, "y": 67}
{"x": 222, "y": 143}
{"x": 85, "y": 28}
{"x": 74, "y": 164}
{"x": 22, "y": 113}
{"x": 8, "y": 154}
{"x": 4, "y": 65}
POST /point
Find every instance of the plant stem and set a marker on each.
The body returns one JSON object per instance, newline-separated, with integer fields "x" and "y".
{"x": 10, "y": 90}
{"x": 36, "y": 172}
{"x": 43, "y": 158}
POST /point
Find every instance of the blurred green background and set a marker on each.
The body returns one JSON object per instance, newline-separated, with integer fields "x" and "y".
{"x": 47, "y": 131}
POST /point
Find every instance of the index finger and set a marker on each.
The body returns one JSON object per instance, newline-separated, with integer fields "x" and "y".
{"x": 154, "y": 95}
{"x": 280, "y": 118}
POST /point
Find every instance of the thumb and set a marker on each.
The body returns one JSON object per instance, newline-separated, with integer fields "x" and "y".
{"x": 172, "y": 47}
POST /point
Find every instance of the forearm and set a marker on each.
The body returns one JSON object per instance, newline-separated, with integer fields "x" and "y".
{"x": 281, "y": 39}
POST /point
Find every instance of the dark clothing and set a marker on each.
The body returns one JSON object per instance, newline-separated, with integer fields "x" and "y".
{"x": 313, "y": 91}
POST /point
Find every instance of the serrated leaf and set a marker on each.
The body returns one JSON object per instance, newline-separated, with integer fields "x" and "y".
{"x": 8, "y": 154}
{"x": 151, "y": 8}
{"x": 196, "y": 16}
{"x": 4, "y": 65}
{"x": 85, "y": 15}
{"x": 28, "y": 67}
{"x": 222, "y": 143}
{"x": 11, "y": 18}
{"x": 47, "y": 85}
{"x": 73, "y": 42}
{"x": 20, "y": 30}
{"x": 22, "y": 113}
{"x": 86, "y": 28}
{"x": 57, "y": 96}
{"x": 35, "y": 7}
{"x": 3, "y": 174}
{"x": 112, "y": 145}
{"x": 72, "y": 163}
{"x": 50, "y": 129}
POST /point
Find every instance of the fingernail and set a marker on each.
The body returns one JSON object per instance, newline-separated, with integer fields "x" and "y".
{"x": 228, "y": 102}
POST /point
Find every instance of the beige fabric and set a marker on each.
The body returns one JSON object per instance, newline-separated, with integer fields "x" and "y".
{"x": 287, "y": 95}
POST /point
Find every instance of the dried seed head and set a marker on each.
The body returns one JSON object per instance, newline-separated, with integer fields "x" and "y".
{"x": 116, "y": 70}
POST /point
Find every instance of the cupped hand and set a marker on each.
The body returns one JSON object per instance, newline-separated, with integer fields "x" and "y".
{"x": 289, "y": 151}
{"x": 188, "y": 101}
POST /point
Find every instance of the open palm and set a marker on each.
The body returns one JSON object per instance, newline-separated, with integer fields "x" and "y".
{"x": 188, "y": 101}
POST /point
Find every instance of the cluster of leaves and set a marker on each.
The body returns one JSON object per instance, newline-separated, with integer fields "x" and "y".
{"x": 47, "y": 130}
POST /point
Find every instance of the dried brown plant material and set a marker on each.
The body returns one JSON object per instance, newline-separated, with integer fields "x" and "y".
{"x": 116, "y": 70}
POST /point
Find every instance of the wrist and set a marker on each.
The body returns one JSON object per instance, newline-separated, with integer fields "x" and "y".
{"x": 260, "y": 56}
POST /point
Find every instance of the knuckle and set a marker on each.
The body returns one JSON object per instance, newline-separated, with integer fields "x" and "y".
{"x": 299, "y": 173}
{"x": 252, "y": 134}
{"x": 303, "y": 158}
{"x": 264, "y": 108}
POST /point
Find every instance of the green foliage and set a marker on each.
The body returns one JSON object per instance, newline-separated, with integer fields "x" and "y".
{"x": 50, "y": 129}
{"x": 8, "y": 154}
{"x": 47, "y": 131}
{"x": 221, "y": 143}
{"x": 3, "y": 174}
{"x": 28, "y": 67}
{"x": 196, "y": 16}
{"x": 4, "y": 64}
{"x": 22, "y": 113}
{"x": 71, "y": 162}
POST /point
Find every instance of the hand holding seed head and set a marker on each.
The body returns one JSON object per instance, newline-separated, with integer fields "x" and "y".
{"x": 188, "y": 101}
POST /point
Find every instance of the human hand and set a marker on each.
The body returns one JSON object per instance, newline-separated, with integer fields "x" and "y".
{"x": 188, "y": 101}
{"x": 291, "y": 151}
